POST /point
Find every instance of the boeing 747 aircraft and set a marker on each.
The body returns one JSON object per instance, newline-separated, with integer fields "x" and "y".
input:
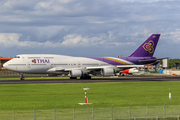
{"x": 83, "y": 67}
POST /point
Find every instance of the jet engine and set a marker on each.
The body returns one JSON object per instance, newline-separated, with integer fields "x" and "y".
{"x": 107, "y": 71}
{"x": 75, "y": 73}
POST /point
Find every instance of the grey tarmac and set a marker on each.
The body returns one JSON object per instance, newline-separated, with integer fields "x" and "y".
{"x": 121, "y": 79}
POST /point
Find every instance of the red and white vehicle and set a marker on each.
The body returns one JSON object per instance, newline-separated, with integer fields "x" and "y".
{"x": 130, "y": 71}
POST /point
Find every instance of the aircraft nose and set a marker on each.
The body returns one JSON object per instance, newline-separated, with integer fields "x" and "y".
{"x": 5, "y": 65}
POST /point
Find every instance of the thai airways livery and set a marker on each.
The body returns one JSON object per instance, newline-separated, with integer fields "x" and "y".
{"x": 83, "y": 67}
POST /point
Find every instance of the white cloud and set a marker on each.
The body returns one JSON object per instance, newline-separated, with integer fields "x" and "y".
{"x": 73, "y": 39}
{"x": 172, "y": 37}
{"x": 104, "y": 39}
{"x": 12, "y": 39}
{"x": 57, "y": 24}
{"x": 143, "y": 18}
{"x": 144, "y": 1}
{"x": 43, "y": 5}
{"x": 57, "y": 7}
{"x": 126, "y": 43}
{"x": 9, "y": 39}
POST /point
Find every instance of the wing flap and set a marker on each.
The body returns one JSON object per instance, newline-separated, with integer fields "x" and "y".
{"x": 60, "y": 69}
{"x": 55, "y": 69}
{"x": 97, "y": 68}
{"x": 118, "y": 66}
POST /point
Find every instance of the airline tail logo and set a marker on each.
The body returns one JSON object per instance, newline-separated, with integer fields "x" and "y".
{"x": 149, "y": 46}
{"x": 154, "y": 36}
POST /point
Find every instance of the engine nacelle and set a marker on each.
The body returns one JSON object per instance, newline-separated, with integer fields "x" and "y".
{"x": 107, "y": 71}
{"x": 75, "y": 73}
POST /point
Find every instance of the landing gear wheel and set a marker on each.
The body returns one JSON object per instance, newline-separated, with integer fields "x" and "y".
{"x": 85, "y": 77}
{"x": 88, "y": 77}
{"x": 21, "y": 76}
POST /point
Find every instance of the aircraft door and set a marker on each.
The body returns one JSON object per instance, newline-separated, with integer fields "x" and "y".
{"x": 28, "y": 65}
{"x": 79, "y": 64}
{"x": 51, "y": 66}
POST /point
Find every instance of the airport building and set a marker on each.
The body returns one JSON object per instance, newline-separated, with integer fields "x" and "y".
{"x": 3, "y": 60}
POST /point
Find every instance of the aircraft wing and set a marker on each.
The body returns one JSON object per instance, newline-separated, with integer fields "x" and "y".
{"x": 58, "y": 69}
{"x": 55, "y": 69}
{"x": 129, "y": 66}
{"x": 118, "y": 66}
{"x": 97, "y": 68}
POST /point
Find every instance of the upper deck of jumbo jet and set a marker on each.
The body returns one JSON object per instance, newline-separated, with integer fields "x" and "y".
{"x": 46, "y": 56}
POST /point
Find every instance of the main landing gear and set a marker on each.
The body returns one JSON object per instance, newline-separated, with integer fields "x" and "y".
{"x": 85, "y": 77}
{"x": 82, "y": 77}
{"x": 21, "y": 76}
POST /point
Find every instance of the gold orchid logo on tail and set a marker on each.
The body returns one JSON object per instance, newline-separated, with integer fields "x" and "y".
{"x": 149, "y": 46}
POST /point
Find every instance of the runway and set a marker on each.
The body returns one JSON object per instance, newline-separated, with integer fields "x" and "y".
{"x": 122, "y": 79}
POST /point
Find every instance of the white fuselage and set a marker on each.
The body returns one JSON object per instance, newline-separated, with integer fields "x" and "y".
{"x": 40, "y": 63}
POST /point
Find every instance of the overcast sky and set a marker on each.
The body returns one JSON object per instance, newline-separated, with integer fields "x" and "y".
{"x": 88, "y": 27}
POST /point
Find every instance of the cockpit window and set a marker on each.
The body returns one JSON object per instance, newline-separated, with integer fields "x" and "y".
{"x": 17, "y": 57}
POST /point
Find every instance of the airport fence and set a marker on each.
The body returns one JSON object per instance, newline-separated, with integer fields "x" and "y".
{"x": 9, "y": 73}
{"x": 112, "y": 113}
{"x": 5, "y": 72}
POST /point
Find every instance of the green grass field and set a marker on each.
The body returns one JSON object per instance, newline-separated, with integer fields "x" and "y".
{"x": 25, "y": 97}
{"x": 66, "y": 95}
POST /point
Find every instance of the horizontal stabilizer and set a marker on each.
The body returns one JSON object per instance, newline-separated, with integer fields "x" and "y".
{"x": 155, "y": 63}
{"x": 151, "y": 60}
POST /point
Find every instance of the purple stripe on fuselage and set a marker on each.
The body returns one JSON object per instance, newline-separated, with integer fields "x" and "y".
{"x": 133, "y": 60}
{"x": 108, "y": 61}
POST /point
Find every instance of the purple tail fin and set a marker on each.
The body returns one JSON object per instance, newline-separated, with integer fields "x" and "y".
{"x": 147, "y": 48}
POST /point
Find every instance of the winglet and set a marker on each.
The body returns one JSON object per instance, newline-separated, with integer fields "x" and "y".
{"x": 147, "y": 48}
